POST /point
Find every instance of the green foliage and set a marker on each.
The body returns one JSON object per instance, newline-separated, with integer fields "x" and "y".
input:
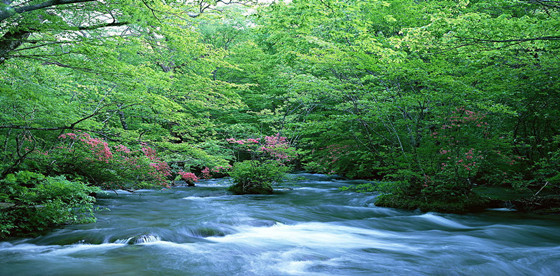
{"x": 433, "y": 97}
{"x": 188, "y": 157}
{"x": 143, "y": 77}
{"x": 459, "y": 205}
{"x": 361, "y": 188}
{"x": 33, "y": 203}
{"x": 256, "y": 177}
{"x": 83, "y": 157}
{"x": 547, "y": 170}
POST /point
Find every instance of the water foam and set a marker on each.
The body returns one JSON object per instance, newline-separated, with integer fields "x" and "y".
{"x": 75, "y": 248}
{"x": 502, "y": 209}
{"x": 314, "y": 235}
{"x": 291, "y": 262}
{"x": 202, "y": 198}
{"x": 443, "y": 221}
{"x": 147, "y": 239}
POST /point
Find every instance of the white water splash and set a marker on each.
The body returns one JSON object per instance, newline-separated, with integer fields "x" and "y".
{"x": 147, "y": 239}
{"x": 202, "y": 198}
{"x": 314, "y": 235}
{"x": 443, "y": 221}
{"x": 75, "y": 248}
{"x": 502, "y": 209}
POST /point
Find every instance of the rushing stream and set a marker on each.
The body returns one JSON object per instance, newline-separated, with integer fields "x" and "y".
{"x": 310, "y": 228}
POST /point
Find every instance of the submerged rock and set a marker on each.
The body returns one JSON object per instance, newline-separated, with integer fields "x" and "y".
{"x": 258, "y": 189}
{"x": 189, "y": 183}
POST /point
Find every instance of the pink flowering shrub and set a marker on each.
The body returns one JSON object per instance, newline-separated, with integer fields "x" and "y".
{"x": 263, "y": 162}
{"x": 99, "y": 148}
{"x": 465, "y": 152}
{"x": 188, "y": 176}
{"x": 110, "y": 166}
{"x": 331, "y": 159}
{"x": 217, "y": 171}
{"x": 206, "y": 173}
{"x": 449, "y": 158}
{"x": 276, "y": 148}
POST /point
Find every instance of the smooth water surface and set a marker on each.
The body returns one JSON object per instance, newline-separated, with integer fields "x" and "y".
{"x": 308, "y": 228}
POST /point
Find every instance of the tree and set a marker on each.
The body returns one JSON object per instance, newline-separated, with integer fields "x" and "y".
{"x": 127, "y": 71}
{"x": 374, "y": 82}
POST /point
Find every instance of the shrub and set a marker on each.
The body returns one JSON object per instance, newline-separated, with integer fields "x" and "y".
{"x": 256, "y": 177}
{"x": 189, "y": 177}
{"x": 218, "y": 171}
{"x": 268, "y": 148}
{"x": 267, "y": 166}
{"x": 33, "y": 203}
{"x": 83, "y": 157}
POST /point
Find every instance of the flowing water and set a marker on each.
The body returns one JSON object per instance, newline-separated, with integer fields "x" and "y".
{"x": 308, "y": 228}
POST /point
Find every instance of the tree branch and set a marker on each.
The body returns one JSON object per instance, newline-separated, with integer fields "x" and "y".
{"x": 10, "y": 42}
{"x": 66, "y": 66}
{"x": 544, "y": 3}
{"x": 9, "y": 11}
{"x": 71, "y": 126}
{"x": 99, "y": 26}
{"x": 99, "y": 107}
{"x": 36, "y": 128}
{"x": 511, "y": 40}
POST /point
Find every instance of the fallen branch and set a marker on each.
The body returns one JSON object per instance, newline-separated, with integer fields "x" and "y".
{"x": 545, "y": 184}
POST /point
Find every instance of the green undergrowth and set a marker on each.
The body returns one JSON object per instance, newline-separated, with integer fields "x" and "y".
{"x": 404, "y": 195}
{"x": 256, "y": 177}
{"x": 460, "y": 205}
{"x": 32, "y": 203}
{"x": 502, "y": 193}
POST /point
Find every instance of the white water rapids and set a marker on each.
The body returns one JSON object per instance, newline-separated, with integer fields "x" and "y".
{"x": 310, "y": 228}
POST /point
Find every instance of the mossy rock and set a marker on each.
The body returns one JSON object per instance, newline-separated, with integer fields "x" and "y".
{"x": 459, "y": 206}
{"x": 501, "y": 193}
{"x": 522, "y": 200}
{"x": 259, "y": 189}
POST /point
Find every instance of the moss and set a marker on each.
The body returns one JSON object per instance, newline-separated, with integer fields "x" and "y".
{"x": 460, "y": 205}
{"x": 522, "y": 200}
{"x": 240, "y": 189}
{"x": 501, "y": 193}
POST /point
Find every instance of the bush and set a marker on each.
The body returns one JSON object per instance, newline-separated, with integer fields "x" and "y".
{"x": 429, "y": 194}
{"x": 85, "y": 158}
{"x": 256, "y": 177}
{"x": 461, "y": 204}
{"x": 189, "y": 177}
{"x": 410, "y": 190}
{"x": 33, "y": 203}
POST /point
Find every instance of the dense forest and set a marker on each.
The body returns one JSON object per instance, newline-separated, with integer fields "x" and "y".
{"x": 444, "y": 105}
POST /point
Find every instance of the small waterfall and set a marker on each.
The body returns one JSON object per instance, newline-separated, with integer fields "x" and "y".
{"x": 147, "y": 239}
{"x": 124, "y": 241}
{"x": 138, "y": 239}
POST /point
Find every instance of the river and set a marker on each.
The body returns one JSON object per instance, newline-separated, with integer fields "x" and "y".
{"x": 309, "y": 227}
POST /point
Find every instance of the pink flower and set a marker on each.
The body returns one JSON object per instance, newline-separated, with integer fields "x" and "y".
{"x": 206, "y": 173}
{"x": 122, "y": 148}
{"x": 188, "y": 176}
